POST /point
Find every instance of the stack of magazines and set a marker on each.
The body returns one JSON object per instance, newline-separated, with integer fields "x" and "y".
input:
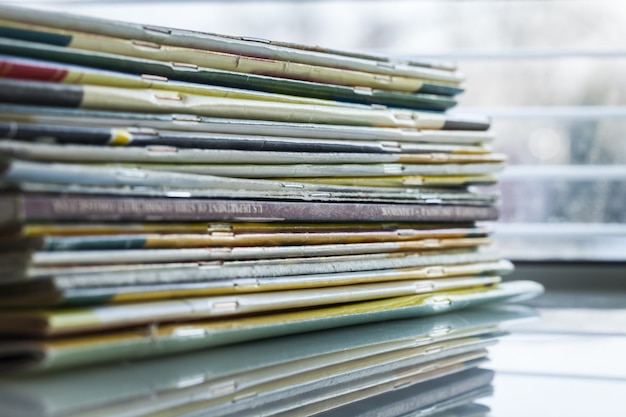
{"x": 167, "y": 191}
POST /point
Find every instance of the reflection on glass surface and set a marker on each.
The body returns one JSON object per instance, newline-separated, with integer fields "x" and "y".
{"x": 567, "y": 364}
{"x": 302, "y": 374}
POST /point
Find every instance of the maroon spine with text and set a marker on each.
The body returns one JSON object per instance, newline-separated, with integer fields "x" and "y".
{"x": 51, "y": 207}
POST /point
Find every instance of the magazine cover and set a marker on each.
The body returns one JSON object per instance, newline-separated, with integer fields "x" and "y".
{"x": 54, "y": 322}
{"x": 433, "y": 97}
{"x": 194, "y": 123}
{"x": 254, "y": 47}
{"x": 176, "y": 338}
{"x": 237, "y": 62}
{"x": 106, "y": 136}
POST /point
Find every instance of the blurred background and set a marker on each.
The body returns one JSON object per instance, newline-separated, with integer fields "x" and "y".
{"x": 552, "y": 74}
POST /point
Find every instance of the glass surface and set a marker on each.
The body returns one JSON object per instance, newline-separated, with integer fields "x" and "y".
{"x": 568, "y": 363}
{"x": 560, "y": 358}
